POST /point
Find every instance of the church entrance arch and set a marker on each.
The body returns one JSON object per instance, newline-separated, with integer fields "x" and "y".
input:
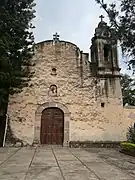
{"x": 52, "y": 124}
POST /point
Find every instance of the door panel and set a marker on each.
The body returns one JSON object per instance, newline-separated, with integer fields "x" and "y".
{"x": 52, "y": 126}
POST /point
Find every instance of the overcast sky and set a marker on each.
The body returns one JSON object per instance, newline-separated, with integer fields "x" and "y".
{"x": 74, "y": 20}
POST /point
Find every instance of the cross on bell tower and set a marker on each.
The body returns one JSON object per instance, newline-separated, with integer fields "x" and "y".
{"x": 101, "y": 17}
{"x": 56, "y": 37}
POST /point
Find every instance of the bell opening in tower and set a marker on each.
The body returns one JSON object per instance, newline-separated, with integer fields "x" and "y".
{"x": 106, "y": 52}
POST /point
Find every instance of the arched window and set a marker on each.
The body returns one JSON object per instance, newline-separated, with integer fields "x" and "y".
{"x": 53, "y": 90}
{"x": 54, "y": 71}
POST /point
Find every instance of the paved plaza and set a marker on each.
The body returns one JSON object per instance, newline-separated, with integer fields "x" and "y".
{"x": 57, "y": 163}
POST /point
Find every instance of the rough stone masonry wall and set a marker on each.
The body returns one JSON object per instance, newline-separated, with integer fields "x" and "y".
{"x": 76, "y": 90}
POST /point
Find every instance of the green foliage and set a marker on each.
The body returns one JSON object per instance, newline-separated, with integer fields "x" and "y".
{"x": 3, "y": 2}
{"x": 122, "y": 20}
{"x": 16, "y": 46}
{"x": 131, "y": 134}
{"x": 128, "y": 90}
{"x": 130, "y": 147}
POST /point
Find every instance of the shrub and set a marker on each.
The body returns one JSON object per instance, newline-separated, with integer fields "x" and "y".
{"x": 129, "y": 147}
{"x": 131, "y": 134}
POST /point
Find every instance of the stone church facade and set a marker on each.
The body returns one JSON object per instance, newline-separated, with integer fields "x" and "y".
{"x": 72, "y": 97}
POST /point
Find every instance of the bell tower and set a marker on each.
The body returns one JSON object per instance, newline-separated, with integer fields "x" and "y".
{"x": 104, "y": 63}
{"x": 104, "y": 55}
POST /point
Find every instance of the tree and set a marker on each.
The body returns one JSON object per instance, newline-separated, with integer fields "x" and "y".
{"x": 3, "y": 2}
{"x": 128, "y": 90}
{"x": 123, "y": 22}
{"x": 16, "y": 46}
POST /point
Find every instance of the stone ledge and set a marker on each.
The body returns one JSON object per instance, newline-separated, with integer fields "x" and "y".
{"x": 129, "y": 107}
{"x": 127, "y": 153}
{"x": 98, "y": 144}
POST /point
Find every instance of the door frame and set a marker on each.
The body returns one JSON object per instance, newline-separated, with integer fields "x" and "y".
{"x": 38, "y": 115}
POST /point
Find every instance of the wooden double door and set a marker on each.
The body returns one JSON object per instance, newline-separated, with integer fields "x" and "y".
{"x": 52, "y": 126}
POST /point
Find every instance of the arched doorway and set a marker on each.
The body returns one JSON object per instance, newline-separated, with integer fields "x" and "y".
{"x": 38, "y": 123}
{"x": 52, "y": 126}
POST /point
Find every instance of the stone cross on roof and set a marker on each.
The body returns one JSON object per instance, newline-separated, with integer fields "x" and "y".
{"x": 56, "y": 37}
{"x": 102, "y": 17}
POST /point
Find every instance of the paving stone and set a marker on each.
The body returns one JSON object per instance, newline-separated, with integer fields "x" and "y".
{"x": 44, "y": 173}
{"x": 5, "y": 153}
{"x": 55, "y": 163}
{"x": 17, "y": 166}
{"x": 108, "y": 172}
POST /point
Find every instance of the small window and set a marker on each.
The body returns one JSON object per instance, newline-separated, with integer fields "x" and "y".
{"x": 54, "y": 71}
{"x": 102, "y": 105}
